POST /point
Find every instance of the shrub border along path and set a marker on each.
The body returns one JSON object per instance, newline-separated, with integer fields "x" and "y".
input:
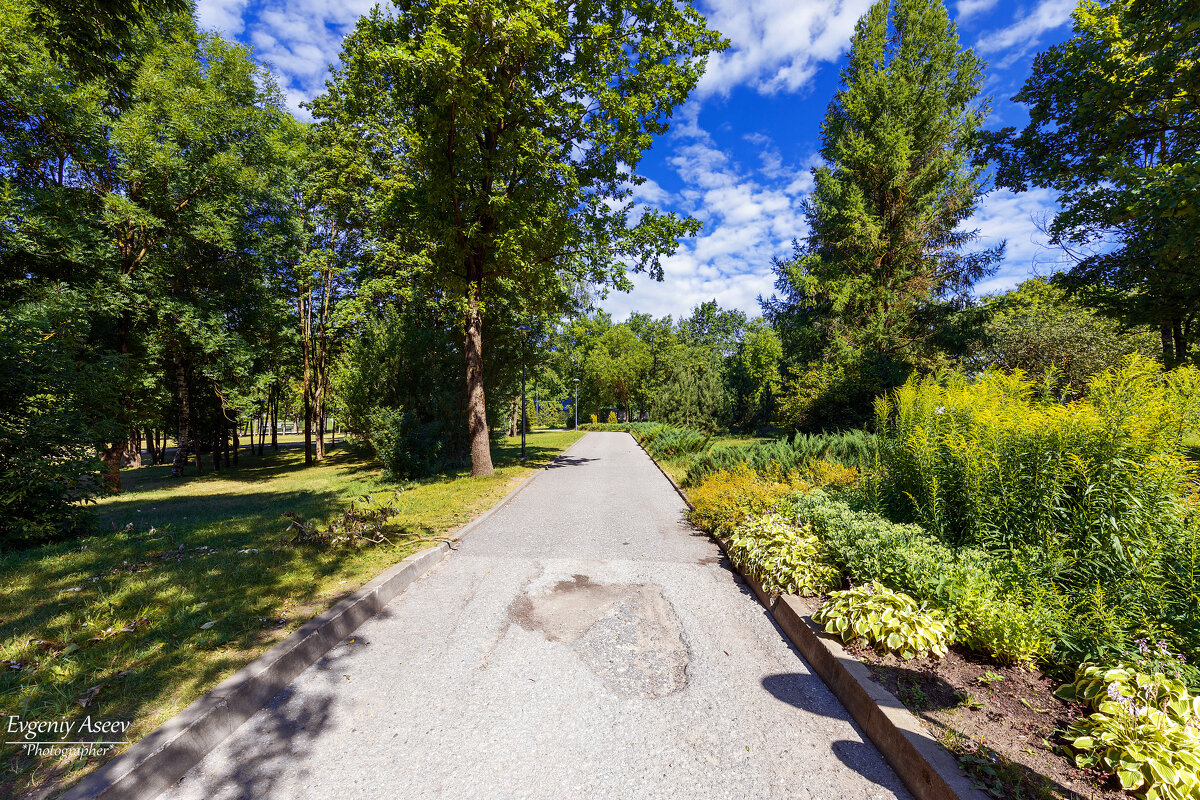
{"x": 926, "y": 768}
{"x": 163, "y": 756}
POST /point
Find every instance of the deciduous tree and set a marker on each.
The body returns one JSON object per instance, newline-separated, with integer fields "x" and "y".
{"x": 505, "y": 137}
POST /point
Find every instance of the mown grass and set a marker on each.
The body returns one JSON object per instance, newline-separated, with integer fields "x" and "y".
{"x": 188, "y": 579}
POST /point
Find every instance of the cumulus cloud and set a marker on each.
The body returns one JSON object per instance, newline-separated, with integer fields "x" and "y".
{"x": 299, "y": 39}
{"x": 224, "y": 16}
{"x": 750, "y": 215}
{"x": 776, "y": 45}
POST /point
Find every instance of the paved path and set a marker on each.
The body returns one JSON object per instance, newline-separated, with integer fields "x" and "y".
{"x": 584, "y": 642}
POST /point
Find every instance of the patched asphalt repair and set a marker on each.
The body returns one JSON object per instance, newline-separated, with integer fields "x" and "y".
{"x": 585, "y": 640}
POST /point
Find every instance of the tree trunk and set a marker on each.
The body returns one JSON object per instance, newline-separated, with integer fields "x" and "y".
{"x": 308, "y": 453}
{"x": 274, "y": 418}
{"x": 477, "y": 428}
{"x": 194, "y": 437}
{"x": 1180, "y": 341}
{"x": 185, "y": 420}
{"x": 112, "y": 458}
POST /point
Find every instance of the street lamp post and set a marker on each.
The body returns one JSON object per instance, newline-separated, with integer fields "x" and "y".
{"x": 577, "y": 404}
{"x": 524, "y": 419}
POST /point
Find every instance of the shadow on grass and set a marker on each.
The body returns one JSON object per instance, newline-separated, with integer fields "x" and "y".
{"x": 250, "y": 468}
{"x": 130, "y": 621}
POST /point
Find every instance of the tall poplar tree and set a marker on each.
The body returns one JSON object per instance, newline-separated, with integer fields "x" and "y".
{"x": 886, "y": 257}
{"x": 505, "y": 137}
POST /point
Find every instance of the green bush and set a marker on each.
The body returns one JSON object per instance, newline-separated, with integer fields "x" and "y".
{"x": 1144, "y": 729}
{"x": 664, "y": 442}
{"x": 983, "y": 597}
{"x": 856, "y": 449}
{"x": 1085, "y": 496}
{"x": 888, "y": 620}
{"x": 728, "y": 497}
{"x": 57, "y": 396}
{"x": 783, "y": 558}
{"x": 409, "y": 447}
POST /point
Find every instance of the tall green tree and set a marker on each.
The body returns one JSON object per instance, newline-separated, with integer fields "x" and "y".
{"x": 135, "y": 186}
{"x": 1114, "y": 131}
{"x": 505, "y": 136}
{"x": 886, "y": 248}
{"x": 754, "y": 376}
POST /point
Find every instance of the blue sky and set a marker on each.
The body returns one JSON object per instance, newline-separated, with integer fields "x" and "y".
{"x": 740, "y": 151}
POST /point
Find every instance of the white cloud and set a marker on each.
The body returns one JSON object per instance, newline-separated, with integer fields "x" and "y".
{"x": 749, "y": 217}
{"x": 1016, "y": 219}
{"x": 777, "y": 45}
{"x": 1023, "y": 35}
{"x": 224, "y": 16}
{"x": 298, "y": 38}
{"x": 969, "y": 8}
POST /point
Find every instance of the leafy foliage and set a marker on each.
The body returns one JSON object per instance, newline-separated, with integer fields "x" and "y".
{"x": 992, "y": 610}
{"x": 1036, "y": 328}
{"x": 1114, "y": 133}
{"x": 727, "y": 497}
{"x": 1067, "y": 473}
{"x": 1144, "y": 729}
{"x": 885, "y": 263}
{"x": 502, "y": 141}
{"x": 782, "y": 557}
{"x": 888, "y": 620}
{"x": 53, "y": 418}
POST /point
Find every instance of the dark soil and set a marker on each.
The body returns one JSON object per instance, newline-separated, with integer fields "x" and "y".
{"x": 1002, "y": 723}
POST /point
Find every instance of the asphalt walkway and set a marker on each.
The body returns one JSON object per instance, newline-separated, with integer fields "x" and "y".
{"x": 584, "y": 642}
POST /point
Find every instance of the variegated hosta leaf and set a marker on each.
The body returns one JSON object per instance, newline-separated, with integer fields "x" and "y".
{"x": 889, "y": 620}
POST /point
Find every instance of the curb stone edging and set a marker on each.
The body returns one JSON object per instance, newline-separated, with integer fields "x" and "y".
{"x": 926, "y": 768}
{"x": 163, "y": 756}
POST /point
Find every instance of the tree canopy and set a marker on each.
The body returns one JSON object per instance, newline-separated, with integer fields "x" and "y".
{"x": 504, "y": 139}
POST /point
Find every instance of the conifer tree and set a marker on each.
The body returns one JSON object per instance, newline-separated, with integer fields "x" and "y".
{"x": 885, "y": 257}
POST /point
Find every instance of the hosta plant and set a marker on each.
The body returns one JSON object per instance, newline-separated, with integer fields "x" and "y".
{"x": 1144, "y": 729}
{"x": 888, "y": 620}
{"x": 782, "y": 557}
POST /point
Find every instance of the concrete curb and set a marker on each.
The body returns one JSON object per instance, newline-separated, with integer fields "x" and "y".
{"x": 925, "y": 767}
{"x": 163, "y": 756}
{"x": 166, "y": 753}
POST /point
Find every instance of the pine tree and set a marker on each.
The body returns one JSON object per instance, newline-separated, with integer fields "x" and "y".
{"x": 885, "y": 257}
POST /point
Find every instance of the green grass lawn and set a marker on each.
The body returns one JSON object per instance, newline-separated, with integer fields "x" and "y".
{"x": 189, "y": 579}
